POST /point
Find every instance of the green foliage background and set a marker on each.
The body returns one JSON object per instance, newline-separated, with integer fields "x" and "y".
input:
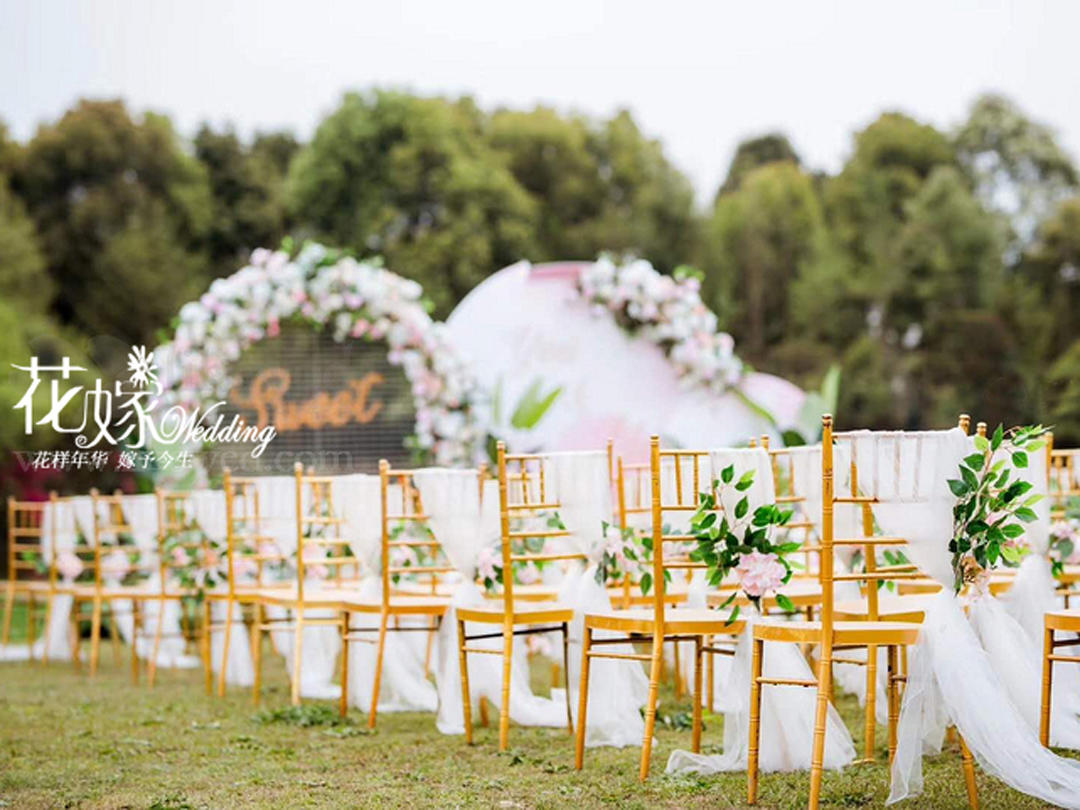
{"x": 939, "y": 270}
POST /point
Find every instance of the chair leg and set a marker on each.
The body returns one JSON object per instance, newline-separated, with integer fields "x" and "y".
{"x": 45, "y": 631}
{"x": 226, "y": 643}
{"x": 9, "y": 610}
{"x": 678, "y": 672}
{"x": 256, "y": 653}
{"x": 893, "y": 698}
{"x": 1047, "y": 683}
{"x": 566, "y": 671}
{"x": 298, "y": 657}
{"x": 507, "y": 666}
{"x": 114, "y": 633}
{"x": 655, "y": 670}
{"x": 31, "y": 609}
{"x": 698, "y": 696}
{"x": 95, "y": 635}
{"x": 159, "y": 627}
{"x": 377, "y": 682}
{"x": 969, "y": 775}
{"x": 583, "y": 700}
{"x": 343, "y": 706}
{"x": 755, "y": 722}
{"x": 871, "y": 703}
{"x": 710, "y": 678}
{"x": 205, "y": 649}
{"x": 821, "y": 716}
{"x": 430, "y": 646}
{"x": 466, "y": 700}
{"x": 485, "y": 720}
{"x": 76, "y": 651}
{"x": 136, "y": 621}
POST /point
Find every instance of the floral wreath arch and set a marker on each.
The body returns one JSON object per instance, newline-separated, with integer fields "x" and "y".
{"x": 355, "y": 299}
{"x": 667, "y": 311}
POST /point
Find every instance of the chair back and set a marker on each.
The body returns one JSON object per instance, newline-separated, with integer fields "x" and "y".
{"x": 801, "y": 526}
{"x": 244, "y": 532}
{"x": 110, "y": 524}
{"x": 28, "y": 548}
{"x": 1064, "y": 481}
{"x": 409, "y": 547}
{"x": 175, "y": 531}
{"x": 671, "y": 473}
{"x": 318, "y": 530}
{"x": 524, "y": 498}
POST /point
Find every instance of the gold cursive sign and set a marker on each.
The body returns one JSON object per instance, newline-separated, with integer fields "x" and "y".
{"x": 266, "y": 397}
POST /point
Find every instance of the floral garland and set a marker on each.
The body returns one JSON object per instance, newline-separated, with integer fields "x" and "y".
{"x": 669, "y": 312}
{"x": 353, "y": 299}
{"x": 992, "y": 505}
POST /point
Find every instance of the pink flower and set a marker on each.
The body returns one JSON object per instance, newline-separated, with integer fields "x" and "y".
{"x": 69, "y": 565}
{"x": 212, "y": 558}
{"x": 485, "y": 563}
{"x": 318, "y": 571}
{"x": 179, "y": 556}
{"x": 273, "y": 328}
{"x": 243, "y": 567}
{"x": 759, "y": 573}
{"x": 528, "y": 575}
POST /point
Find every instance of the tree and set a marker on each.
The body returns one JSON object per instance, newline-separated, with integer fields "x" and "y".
{"x": 247, "y": 184}
{"x": 597, "y": 186}
{"x": 413, "y": 179}
{"x": 99, "y": 175}
{"x": 1064, "y": 397}
{"x": 1016, "y": 164}
{"x": 22, "y": 264}
{"x": 759, "y": 240}
{"x": 773, "y": 147}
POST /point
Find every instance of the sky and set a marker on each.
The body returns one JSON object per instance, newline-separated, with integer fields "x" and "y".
{"x": 698, "y": 76}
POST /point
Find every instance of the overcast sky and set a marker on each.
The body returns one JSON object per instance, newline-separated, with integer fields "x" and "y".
{"x": 699, "y": 76}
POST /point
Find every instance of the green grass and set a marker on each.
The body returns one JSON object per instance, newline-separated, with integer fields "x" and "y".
{"x": 69, "y": 741}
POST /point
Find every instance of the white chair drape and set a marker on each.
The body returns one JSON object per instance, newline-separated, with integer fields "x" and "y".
{"x": 952, "y": 678}
{"x": 580, "y": 482}
{"x": 464, "y": 526}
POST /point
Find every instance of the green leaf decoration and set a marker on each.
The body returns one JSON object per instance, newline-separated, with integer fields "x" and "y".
{"x": 741, "y": 508}
{"x": 727, "y": 473}
{"x": 785, "y": 604}
{"x": 1020, "y": 459}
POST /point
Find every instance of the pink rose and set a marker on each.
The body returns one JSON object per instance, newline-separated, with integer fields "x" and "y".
{"x": 69, "y": 565}
{"x": 528, "y": 575}
{"x": 760, "y": 573}
{"x": 485, "y": 563}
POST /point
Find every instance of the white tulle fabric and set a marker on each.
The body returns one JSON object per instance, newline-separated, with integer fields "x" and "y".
{"x": 787, "y": 713}
{"x": 321, "y": 645}
{"x": 209, "y": 510}
{"x": 580, "y": 483}
{"x": 464, "y": 524}
{"x": 952, "y": 679}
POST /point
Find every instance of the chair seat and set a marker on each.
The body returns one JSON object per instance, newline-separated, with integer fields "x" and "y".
{"x": 853, "y": 634}
{"x": 1000, "y": 582}
{"x": 1069, "y": 574}
{"x": 523, "y": 613}
{"x": 26, "y": 585}
{"x": 1068, "y": 620}
{"x": 531, "y": 593}
{"x": 677, "y": 621}
{"x": 349, "y": 599}
{"x": 83, "y": 592}
{"x": 675, "y": 594}
{"x": 902, "y": 608}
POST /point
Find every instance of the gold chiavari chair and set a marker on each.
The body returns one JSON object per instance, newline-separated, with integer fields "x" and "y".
{"x": 245, "y": 587}
{"x": 834, "y": 636}
{"x": 419, "y": 599}
{"x": 523, "y": 496}
{"x": 30, "y": 579}
{"x": 1064, "y": 485}
{"x": 174, "y": 513}
{"x": 318, "y": 543}
{"x": 127, "y": 566}
{"x": 660, "y": 622}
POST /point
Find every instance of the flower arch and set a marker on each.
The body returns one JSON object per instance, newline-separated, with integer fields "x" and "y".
{"x": 669, "y": 312}
{"x": 353, "y": 299}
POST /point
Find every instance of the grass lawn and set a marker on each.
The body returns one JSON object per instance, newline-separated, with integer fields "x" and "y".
{"x": 68, "y": 741}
